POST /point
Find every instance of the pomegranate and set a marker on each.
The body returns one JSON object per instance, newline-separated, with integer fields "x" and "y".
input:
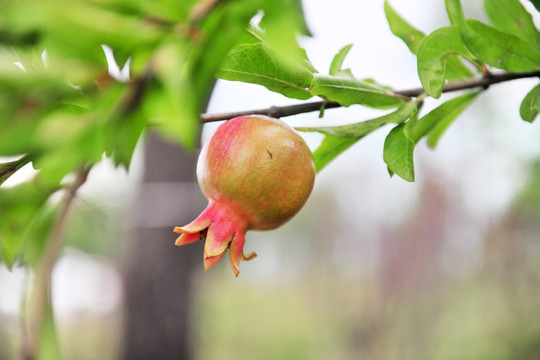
{"x": 256, "y": 173}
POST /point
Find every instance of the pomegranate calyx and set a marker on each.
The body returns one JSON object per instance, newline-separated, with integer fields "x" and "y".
{"x": 224, "y": 228}
{"x": 186, "y": 238}
{"x": 192, "y": 231}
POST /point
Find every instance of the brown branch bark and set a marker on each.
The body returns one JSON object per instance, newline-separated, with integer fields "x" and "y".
{"x": 289, "y": 110}
{"x": 9, "y": 168}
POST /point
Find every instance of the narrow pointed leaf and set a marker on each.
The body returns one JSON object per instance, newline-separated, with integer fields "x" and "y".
{"x": 337, "y": 61}
{"x": 455, "y": 12}
{"x": 126, "y": 133}
{"x": 398, "y": 153}
{"x": 446, "y": 112}
{"x": 360, "y": 129}
{"x": 411, "y": 36}
{"x": 530, "y": 107}
{"x": 283, "y": 20}
{"x": 329, "y": 149}
{"x": 340, "y": 138}
{"x": 455, "y": 69}
{"x": 437, "y": 121}
{"x": 349, "y": 91}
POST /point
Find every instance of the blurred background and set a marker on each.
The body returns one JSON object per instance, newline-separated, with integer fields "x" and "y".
{"x": 373, "y": 267}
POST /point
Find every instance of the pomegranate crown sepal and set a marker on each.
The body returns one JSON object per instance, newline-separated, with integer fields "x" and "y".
{"x": 222, "y": 230}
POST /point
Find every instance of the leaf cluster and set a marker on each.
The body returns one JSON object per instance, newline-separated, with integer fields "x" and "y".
{"x": 468, "y": 49}
{"x": 65, "y": 103}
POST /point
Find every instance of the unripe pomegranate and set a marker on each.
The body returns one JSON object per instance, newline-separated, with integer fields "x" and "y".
{"x": 256, "y": 173}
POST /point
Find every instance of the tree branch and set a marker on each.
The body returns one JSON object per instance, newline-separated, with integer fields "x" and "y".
{"x": 40, "y": 300}
{"x": 10, "y": 168}
{"x": 289, "y": 110}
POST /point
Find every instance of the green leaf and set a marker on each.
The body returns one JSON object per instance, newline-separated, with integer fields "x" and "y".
{"x": 411, "y": 36}
{"x": 530, "y": 107}
{"x": 48, "y": 345}
{"x": 329, "y": 149}
{"x": 445, "y": 114}
{"x": 340, "y": 138}
{"x": 510, "y": 16}
{"x": 360, "y": 129}
{"x": 283, "y": 20}
{"x": 255, "y": 60}
{"x": 499, "y": 49}
{"x": 22, "y": 207}
{"x": 456, "y": 70}
{"x": 36, "y": 233}
{"x": 67, "y": 139}
{"x": 91, "y": 228}
{"x": 337, "y": 61}
{"x": 123, "y": 135}
{"x": 455, "y": 12}
{"x": 70, "y": 30}
{"x": 348, "y": 91}
{"x": 433, "y": 57}
{"x": 177, "y": 120}
{"x": 398, "y": 153}
{"x": 185, "y": 69}
{"x": 492, "y": 46}
{"x": 10, "y": 246}
{"x": 258, "y": 63}
{"x": 28, "y": 98}
{"x": 437, "y": 121}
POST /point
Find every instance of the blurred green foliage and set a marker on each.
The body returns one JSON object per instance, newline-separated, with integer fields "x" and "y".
{"x": 62, "y": 105}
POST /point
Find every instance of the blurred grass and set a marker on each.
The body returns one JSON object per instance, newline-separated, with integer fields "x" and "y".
{"x": 84, "y": 337}
{"x": 280, "y": 321}
{"x": 91, "y": 337}
{"x": 475, "y": 318}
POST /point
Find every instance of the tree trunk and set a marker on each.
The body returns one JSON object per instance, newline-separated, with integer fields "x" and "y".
{"x": 159, "y": 287}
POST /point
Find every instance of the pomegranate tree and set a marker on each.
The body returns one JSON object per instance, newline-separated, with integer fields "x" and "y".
{"x": 256, "y": 173}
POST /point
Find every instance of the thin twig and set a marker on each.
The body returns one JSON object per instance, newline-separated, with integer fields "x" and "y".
{"x": 9, "y": 168}
{"x": 40, "y": 299}
{"x": 289, "y": 110}
{"x": 274, "y": 111}
{"x": 484, "y": 81}
{"x": 136, "y": 93}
